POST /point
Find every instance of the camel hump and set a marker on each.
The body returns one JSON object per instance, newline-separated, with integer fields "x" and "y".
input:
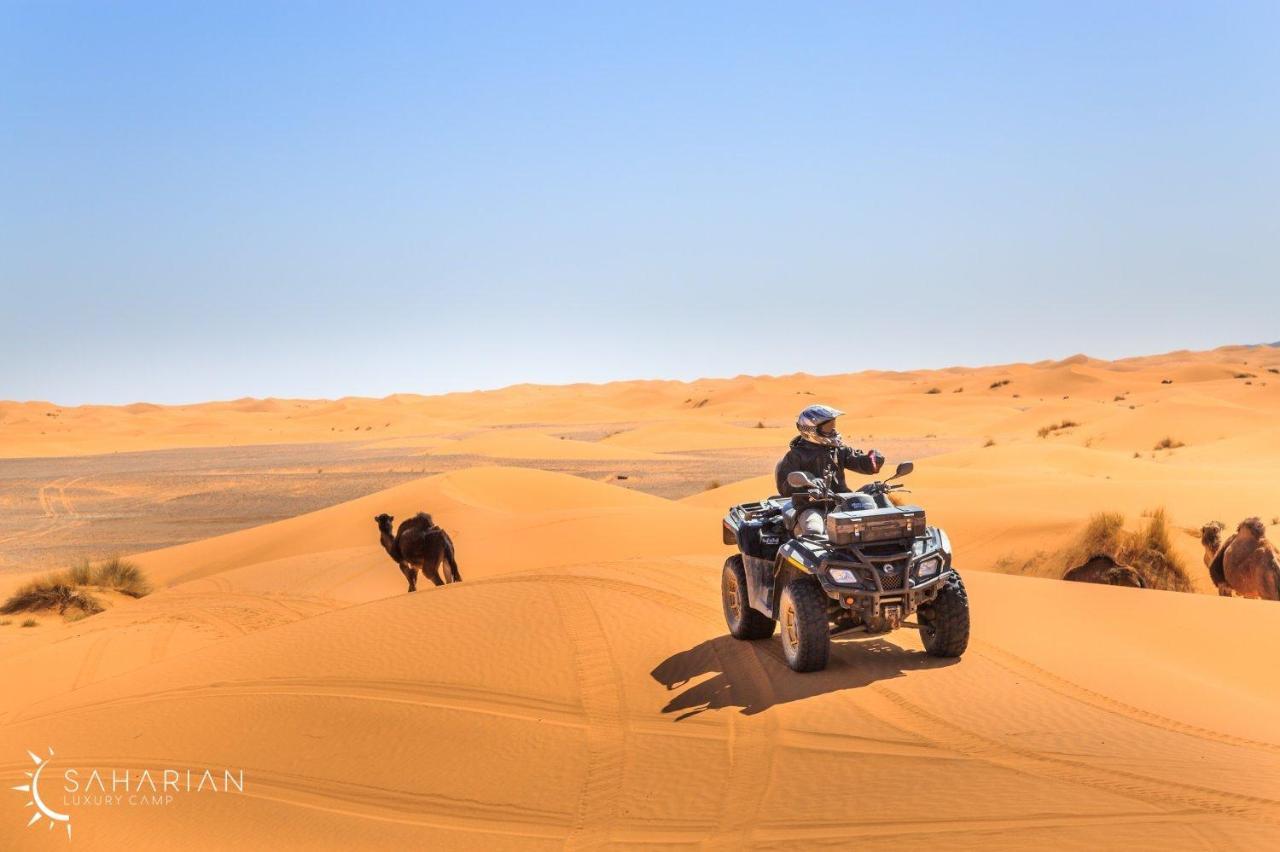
{"x": 1254, "y": 526}
{"x": 1102, "y": 568}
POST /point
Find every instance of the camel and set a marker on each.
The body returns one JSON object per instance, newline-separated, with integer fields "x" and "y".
{"x": 419, "y": 544}
{"x": 1103, "y": 569}
{"x": 1247, "y": 563}
{"x": 1211, "y": 538}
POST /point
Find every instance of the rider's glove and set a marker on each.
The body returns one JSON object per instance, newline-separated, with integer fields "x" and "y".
{"x": 877, "y": 460}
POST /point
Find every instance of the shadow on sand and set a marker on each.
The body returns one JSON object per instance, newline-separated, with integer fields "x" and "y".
{"x": 754, "y": 675}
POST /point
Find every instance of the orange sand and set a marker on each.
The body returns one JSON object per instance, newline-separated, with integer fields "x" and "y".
{"x": 578, "y": 688}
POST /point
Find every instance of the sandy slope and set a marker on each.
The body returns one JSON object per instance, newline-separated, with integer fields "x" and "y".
{"x": 542, "y": 702}
{"x": 578, "y": 688}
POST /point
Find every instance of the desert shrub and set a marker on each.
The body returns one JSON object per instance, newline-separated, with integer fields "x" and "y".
{"x": 1273, "y": 369}
{"x": 1000, "y": 383}
{"x": 123, "y": 576}
{"x": 713, "y": 484}
{"x": 1166, "y": 381}
{"x": 991, "y": 442}
{"x": 1169, "y": 444}
{"x": 958, "y": 390}
{"x": 49, "y": 593}
{"x": 1243, "y": 376}
{"x": 65, "y": 591}
{"x": 1046, "y": 431}
{"x": 1148, "y": 549}
{"x": 80, "y": 574}
{"x": 933, "y": 390}
{"x": 759, "y": 424}
{"x": 30, "y": 622}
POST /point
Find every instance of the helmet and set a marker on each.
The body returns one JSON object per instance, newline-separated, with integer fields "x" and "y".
{"x": 812, "y": 418}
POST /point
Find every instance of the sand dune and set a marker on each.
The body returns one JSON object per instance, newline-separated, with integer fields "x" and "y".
{"x": 605, "y": 704}
{"x": 578, "y": 689}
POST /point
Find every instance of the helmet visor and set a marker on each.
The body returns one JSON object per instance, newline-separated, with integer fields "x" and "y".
{"x": 827, "y": 428}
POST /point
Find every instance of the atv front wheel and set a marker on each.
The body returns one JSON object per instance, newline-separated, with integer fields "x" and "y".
{"x": 945, "y": 633}
{"x": 806, "y": 634}
{"x": 744, "y": 622}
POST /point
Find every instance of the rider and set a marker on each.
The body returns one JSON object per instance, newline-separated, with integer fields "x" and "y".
{"x": 818, "y": 450}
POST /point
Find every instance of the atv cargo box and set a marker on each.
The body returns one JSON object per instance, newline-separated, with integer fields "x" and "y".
{"x": 865, "y": 526}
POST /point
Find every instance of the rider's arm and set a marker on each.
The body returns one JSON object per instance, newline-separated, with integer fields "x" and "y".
{"x": 860, "y": 462}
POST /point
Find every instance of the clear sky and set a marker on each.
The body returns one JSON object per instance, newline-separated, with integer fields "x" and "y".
{"x": 215, "y": 200}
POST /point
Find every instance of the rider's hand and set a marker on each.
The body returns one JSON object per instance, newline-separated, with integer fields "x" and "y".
{"x": 877, "y": 460}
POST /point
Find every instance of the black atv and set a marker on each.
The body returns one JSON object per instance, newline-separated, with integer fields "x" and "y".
{"x": 876, "y": 565}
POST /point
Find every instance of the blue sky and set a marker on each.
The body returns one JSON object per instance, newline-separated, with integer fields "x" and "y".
{"x": 311, "y": 199}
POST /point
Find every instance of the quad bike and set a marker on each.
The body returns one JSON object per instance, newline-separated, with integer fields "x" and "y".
{"x": 876, "y": 565}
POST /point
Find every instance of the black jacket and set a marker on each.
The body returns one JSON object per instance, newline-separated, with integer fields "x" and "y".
{"x": 823, "y": 462}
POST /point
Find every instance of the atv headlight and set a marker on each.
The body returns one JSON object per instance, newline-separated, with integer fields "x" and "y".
{"x": 944, "y": 541}
{"x": 843, "y": 576}
{"x": 929, "y": 567}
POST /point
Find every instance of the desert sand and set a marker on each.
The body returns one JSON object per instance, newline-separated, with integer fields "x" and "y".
{"x": 579, "y": 688}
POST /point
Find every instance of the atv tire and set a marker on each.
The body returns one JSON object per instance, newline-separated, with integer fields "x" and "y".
{"x": 744, "y": 622}
{"x": 806, "y": 633}
{"x": 946, "y": 631}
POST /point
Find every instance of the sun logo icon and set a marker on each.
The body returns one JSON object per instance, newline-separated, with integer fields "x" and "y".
{"x": 41, "y": 809}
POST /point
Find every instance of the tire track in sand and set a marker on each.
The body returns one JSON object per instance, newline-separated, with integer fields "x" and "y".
{"x": 896, "y": 710}
{"x": 446, "y": 696}
{"x": 752, "y": 744}
{"x": 600, "y": 692}
{"x": 1069, "y": 689}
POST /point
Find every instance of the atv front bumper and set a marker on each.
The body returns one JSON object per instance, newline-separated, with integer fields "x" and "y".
{"x": 892, "y": 605}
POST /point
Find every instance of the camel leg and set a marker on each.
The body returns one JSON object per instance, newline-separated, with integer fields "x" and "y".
{"x": 453, "y": 562}
{"x": 431, "y": 570}
{"x": 411, "y": 574}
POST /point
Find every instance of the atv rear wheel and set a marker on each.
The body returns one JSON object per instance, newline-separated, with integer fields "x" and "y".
{"x": 806, "y": 633}
{"x": 945, "y": 632}
{"x": 744, "y": 622}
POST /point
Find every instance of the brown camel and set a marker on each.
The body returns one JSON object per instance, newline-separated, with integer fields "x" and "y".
{"x": 1248, "y": 564}
{"x": 419, "y": 544}
{"x": 1211, "y": 538}
{"x": 1103, "y": 569}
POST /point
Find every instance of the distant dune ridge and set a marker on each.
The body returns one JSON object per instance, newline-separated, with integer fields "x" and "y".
{"x": 579, "y": 689}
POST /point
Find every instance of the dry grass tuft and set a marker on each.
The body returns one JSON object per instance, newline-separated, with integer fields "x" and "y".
{"x": 1169, "y": 444}
{"x": 65, "y": 591}
{"x": 1148, "y": 550}
{"x": 49, "y": 593}
{"x": 1052, "y": 428}
{"x": 123, "y": 576}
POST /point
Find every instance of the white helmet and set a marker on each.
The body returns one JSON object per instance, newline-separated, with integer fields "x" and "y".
{"x": 810, "y": 425}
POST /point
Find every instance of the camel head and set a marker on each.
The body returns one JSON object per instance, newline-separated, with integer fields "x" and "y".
{"x": 1211, "y": 535}
{"x": 1254, "y": 527}
{"x": 384, "y": 522}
